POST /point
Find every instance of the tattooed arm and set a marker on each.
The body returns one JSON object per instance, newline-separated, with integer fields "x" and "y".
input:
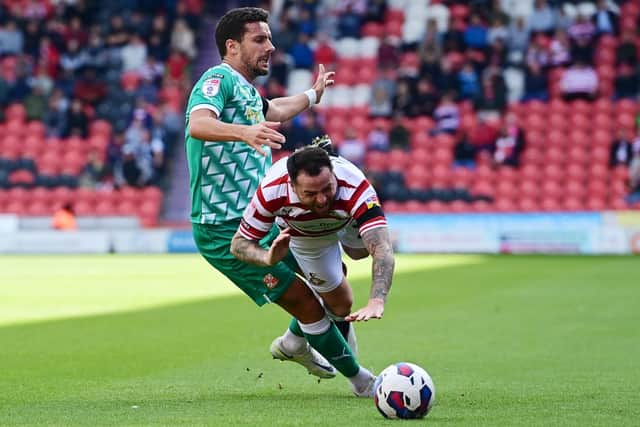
{"x": 378, "y": 243}
{"x": 251, "y": 252}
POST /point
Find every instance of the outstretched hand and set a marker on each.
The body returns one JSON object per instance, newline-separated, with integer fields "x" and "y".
{"x": 263, "y": 133}
{"x": 324, "y": 80}
{"x": 373, "y": 310}
{"x": 279, "y": 247}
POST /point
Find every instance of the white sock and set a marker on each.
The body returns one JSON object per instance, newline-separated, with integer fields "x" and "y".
{"x": 361, "y": 380}
{"x": 293, "y": 344}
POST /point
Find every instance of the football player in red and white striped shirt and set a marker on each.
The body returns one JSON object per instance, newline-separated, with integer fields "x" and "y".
{"x": 320, "y": 203}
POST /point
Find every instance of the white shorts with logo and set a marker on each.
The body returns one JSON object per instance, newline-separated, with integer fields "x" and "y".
{"x": 320, "y": 258}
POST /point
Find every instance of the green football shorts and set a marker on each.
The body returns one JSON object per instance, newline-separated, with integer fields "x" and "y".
{"x": 262, "y": 284}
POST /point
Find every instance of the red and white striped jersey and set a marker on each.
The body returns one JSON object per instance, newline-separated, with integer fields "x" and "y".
{"x": 275, "y": 200}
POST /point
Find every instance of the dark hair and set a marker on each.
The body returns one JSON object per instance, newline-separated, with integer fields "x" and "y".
{"x": 310, "y": 159}
{"x": 232, "y": 25}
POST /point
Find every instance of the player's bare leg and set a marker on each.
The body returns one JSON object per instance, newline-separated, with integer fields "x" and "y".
{"x": 324, "y": 336}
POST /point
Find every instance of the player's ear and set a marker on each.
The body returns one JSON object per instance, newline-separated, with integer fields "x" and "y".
{"x": 232, "y": 46}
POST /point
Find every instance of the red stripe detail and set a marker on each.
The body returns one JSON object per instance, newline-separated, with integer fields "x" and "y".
{"x": 360, "y": 211}
{"x": 284, "y": 179}
{"x": 343, "y": 183}
{"x": 364, "y": 185}
{"x": 271, "y": 205}
{"x": 250, "y": 232}
{"x": 262, "y": 218}
{"x": 376, "y": 222}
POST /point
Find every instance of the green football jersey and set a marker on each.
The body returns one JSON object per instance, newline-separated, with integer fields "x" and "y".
{"x": 224, "y": 174}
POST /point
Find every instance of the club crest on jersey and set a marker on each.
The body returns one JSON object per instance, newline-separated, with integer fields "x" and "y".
{"x": 270, "y": 281}
{"x": 210, "y": 87}
{"x": 372, "y": 201}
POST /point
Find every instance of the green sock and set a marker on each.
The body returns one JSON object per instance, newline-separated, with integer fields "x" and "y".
{"x": 335, "y": 349}
{"x": 294, "y": 327}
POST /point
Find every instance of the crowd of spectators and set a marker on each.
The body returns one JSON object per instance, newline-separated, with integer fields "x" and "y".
{"x": 125, "y": 62}
{"x": 462, "y": 65}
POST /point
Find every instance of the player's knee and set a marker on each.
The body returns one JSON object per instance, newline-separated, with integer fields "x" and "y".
{"x": 343, "y": 308}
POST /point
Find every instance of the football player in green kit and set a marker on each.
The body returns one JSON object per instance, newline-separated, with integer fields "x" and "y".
{"x": 230, "y": 131}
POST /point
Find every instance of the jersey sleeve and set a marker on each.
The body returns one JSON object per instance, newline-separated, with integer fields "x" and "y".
{"x": 366, "y": 210}
{"x": 257, "y": 218}
{"x": 212, "y": 92}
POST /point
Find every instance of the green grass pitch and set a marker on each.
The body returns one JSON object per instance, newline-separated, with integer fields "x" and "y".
{"x": 164, "y": 340}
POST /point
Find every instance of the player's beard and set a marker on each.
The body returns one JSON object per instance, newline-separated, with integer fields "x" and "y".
{"x": 254, "y": 67}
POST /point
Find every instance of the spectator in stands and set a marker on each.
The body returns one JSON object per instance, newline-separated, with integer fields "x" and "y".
{"x": 77, "y": 120}
{"x": 183, "y": 39}
{"x": 324, "y": 53}
{"x": 509, "y": 144}
{"x": 286, "y": 34}
{"x": 11, "y": 39}
{"x": 605, "y": 20}
{"x": 36, "y": 104}
{"x": 627, "y": 82}
{"x": 301, "y": 52}
{"x": 469, "y": 83}
{"x": 89, "y": 88}
{"x": 64, "y": 218}
{"x": 353, "y": 148}
{"x": 403, "y": 98}
{"x": 579, "y": 81}
{"x": 535, "y": 84}
{"x": 117, "y": 35}
{"x": 538, "y": 52}
{"x": 542, "y": 19}
{"x": 280, "y": 67}
{"x": 375, "y": 11}
{"x": 621, "y": 149}
{"x": 476, "y": 33}
{"x": 627, "y": 50}
{"x": 305, "y": 127}
{"x": 482, "y": 136}
{"x": 378, "y": 139}
{"x": 133, "y": 54}
{"x": 431, "y": 41}
{"x": 55, "y": 118}
{"x": 464, "y": 152}
{"x": 388, "y": 53}
{"x": 492, "y": 96}
{"x": 426, "y": 98}
{"x": 349, "y": 23}
{"x": 399, "y": 135}
{"x": 498, "y": 30}
{"x": 447, "y": 115}
{"x": 560, "y": 49}
{"x": 582, "y": 34}
{"x": 380, "y": 104}
{"x": 518, "y": 40}
{"x": 95, "y": 172}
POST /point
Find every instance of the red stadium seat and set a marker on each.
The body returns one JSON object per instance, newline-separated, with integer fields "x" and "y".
{"x": 527, "y": 204}
{"x": 417, "y": 177}
{"x": 376, "y": 161}
{"x": 15, "y": 112}
{"x": 100, "y": 127}
{"x": 398, "y": 160}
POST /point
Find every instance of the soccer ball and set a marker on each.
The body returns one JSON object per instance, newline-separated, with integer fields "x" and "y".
{"x": 404, "y": 390}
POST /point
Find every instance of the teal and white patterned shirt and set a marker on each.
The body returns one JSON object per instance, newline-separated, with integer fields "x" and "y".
{"x": 224, "y": 174}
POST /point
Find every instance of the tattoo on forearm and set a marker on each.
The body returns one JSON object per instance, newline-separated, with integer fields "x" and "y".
{"x": 248, "y": 251}
{"x": 378, "y": 244}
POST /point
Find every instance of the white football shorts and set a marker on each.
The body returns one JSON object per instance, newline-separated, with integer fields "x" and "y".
{"x": 320, "y": 258}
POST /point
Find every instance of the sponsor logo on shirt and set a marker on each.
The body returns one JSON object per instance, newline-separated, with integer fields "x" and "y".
{"x": 211, "y": 87}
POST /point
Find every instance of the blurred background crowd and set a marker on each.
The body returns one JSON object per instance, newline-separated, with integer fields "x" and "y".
{"x": 456, "y": 106}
